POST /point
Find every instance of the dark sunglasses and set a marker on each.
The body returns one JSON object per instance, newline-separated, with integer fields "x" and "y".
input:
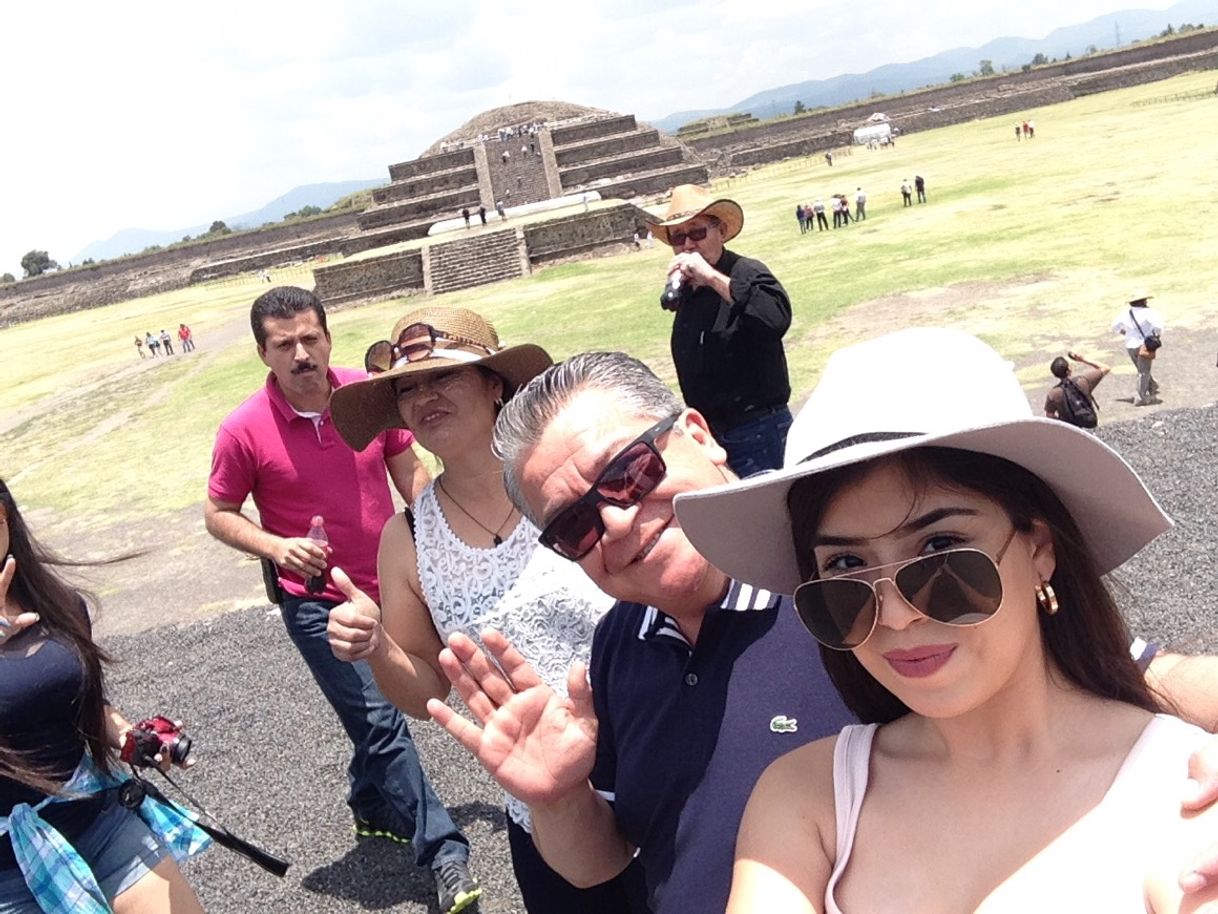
{"x": 677, "y": 239}
{"x": 626, "y": 480}
{"x": 416, "y": 343}
{"x": 955, "y": 587}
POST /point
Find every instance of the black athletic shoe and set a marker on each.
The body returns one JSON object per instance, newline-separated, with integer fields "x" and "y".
{"x": 456, "y": 888}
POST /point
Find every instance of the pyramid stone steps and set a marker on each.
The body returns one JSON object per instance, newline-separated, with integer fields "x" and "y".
{"x": 604, "y": 147}
{"x": 618, "y": 165}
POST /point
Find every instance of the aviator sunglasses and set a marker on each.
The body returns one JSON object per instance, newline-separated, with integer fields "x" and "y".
{"x": 626, "y": 480}
{"x": 955, "y": 587}
{"x": 416, "y": 343}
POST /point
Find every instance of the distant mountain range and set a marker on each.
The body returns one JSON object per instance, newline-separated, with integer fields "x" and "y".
{"x": 134, "y": 240}
{"x": 1104, "y": 32}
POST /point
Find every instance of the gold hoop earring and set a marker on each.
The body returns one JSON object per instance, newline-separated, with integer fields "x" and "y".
{"x": 1046, "y": 598}
{"x": 499, "y": 403}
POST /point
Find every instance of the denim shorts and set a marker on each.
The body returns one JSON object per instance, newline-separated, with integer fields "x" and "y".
{"x": 118, "y": 847}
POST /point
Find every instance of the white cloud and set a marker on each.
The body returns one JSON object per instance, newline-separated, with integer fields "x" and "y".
{"x": 164, "y": 115}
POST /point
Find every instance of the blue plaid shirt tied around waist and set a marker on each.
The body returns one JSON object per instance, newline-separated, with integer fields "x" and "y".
{"x": 59, "y": 879}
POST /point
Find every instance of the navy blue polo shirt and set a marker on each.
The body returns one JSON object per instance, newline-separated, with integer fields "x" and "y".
{"x": 686, "y": 732}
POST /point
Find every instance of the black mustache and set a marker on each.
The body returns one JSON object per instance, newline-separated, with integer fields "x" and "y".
{"x": 300, "y": 369}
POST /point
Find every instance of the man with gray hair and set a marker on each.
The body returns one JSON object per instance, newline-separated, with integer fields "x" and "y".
{"x": 697, "y": 682}
{"x": 690, "y": 695}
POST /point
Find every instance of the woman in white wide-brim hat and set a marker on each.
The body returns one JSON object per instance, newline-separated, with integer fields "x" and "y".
{"x": 466, "y": 559}
{"x": 946, "y": 549}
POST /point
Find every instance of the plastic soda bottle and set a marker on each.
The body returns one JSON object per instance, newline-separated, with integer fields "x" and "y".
{"x": 317, "y": 533}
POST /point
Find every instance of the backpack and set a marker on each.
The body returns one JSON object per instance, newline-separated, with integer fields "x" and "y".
{"x": 1077, "y": 407}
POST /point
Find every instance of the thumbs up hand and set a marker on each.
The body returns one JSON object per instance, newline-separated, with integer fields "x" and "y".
{"x": 354, "y": 628}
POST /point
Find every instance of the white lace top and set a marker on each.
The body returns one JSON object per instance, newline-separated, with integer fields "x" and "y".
{"x": 544, "y": 605}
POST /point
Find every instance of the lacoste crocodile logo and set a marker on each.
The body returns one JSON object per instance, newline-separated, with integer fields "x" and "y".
{"x": 780, "y": 723}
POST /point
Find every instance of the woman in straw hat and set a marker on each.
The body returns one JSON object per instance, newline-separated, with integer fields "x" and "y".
{"x": 949, "y": 561}
{"x": 466, "y": 559}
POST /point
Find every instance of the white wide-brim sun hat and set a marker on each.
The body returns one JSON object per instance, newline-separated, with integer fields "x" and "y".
{"x": 920, "y": 387}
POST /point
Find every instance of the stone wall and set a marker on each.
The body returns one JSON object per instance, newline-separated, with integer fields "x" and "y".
{"x": 429, "y": 164}
{"x": 604, "y": 126}
{"x": 639, "y": 160}
{"x": 602, "y": 147}
{"x": 959, "y": 102}
{"x": 411, "y": 187}
{"x": 647, "y": 183}
{"x": 392, "y": 274}
{"x": 583, "y": 232}
{"x": 158, "y": 271}
{"x": 1136, "y": 76}
{"x": 444, "y": 204}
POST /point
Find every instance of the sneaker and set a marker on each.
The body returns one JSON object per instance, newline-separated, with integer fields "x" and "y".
{"x": 456, "y": 888}
{"x": 366, "y": 829}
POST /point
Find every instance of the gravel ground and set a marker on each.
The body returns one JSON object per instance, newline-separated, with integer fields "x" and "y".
{"x": 272, "y": 759}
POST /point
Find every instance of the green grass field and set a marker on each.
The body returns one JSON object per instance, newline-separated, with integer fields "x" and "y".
{"x": 1028, "y": 244}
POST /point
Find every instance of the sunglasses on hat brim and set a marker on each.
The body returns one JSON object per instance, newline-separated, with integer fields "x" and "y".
{"x": 417, "y": 343}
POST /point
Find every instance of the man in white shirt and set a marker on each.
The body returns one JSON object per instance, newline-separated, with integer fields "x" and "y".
{"x": 1142, "y": 327}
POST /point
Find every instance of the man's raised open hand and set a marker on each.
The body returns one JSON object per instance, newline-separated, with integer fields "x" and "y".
{"x": 537, "y": 744}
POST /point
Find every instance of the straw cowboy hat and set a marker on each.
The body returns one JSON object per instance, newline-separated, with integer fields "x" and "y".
{"x": 689, "y": 200}
{"x": 889, "y": 394}
{"x": 364, "y": 409}
{"x": 1140, "y": 297}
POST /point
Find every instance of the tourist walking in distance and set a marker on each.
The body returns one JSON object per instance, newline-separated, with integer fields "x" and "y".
{"x": 1142, "y": 327}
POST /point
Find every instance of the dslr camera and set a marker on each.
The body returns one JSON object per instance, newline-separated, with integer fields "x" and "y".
{"x": 155, "y": 736}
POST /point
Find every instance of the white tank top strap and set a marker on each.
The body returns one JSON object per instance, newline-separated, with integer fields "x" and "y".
{"x": 851, "y": 765}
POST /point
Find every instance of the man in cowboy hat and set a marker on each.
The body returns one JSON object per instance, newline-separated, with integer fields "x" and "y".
{"x": 280, "y": 446}
{"x": 697, "y": 682}
{"x": 731, "y": 315}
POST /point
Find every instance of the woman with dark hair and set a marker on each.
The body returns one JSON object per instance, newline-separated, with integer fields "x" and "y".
{"x": 947, "y": 554}
{"x": 465, "y": 559}
{"x": 66, "y": 842}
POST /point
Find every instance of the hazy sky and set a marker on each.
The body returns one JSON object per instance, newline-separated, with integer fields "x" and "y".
{"x": 167, "y": 115}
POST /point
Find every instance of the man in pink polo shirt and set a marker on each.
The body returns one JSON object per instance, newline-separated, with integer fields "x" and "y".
{"x": 281, "y": 448}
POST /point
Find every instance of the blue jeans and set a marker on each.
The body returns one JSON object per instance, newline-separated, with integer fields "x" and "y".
{"x": 756, "y": 444}
{"x": 388, "y": 785}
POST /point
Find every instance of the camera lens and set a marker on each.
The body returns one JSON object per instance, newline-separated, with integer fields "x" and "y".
{"x": 180, "y": 749}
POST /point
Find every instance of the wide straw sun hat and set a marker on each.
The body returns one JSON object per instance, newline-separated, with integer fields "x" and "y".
{"x": 364, "y": 409}
{"x": 919, "y": 387}
{"x": 690, "y": 200}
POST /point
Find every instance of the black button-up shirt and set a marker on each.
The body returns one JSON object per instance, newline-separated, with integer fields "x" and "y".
{"x": 729, "y": 355}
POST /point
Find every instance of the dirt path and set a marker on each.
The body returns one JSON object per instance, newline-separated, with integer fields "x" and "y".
{"x": 185, "y": 576}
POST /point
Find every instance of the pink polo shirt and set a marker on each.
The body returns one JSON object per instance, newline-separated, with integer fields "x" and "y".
{"x": 294, "y": 469}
